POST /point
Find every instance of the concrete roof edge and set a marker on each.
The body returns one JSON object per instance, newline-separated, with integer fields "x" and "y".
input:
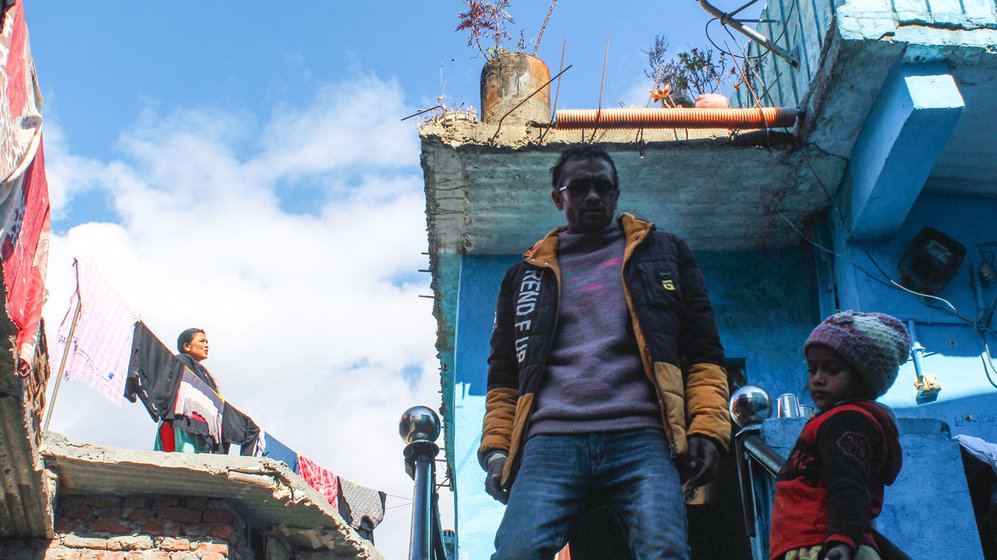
{"x": 242, "y": 481}
{"x": 485, "y": 137}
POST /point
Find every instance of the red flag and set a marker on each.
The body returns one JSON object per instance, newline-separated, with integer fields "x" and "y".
{"x": 24, "y": 251}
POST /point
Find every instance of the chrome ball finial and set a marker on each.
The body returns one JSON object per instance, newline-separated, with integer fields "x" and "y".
{"x": 419, "y": 423}
{"x": 750, "y": 405}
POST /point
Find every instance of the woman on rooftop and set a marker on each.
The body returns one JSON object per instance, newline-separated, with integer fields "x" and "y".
{"x": 195, "y": 423}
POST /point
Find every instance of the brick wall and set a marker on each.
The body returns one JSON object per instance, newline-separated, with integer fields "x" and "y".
{"x": 37, "y": 381}
{"x": 139, "y": 528}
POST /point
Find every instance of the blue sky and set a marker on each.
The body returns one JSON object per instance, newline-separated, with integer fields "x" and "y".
{"x": 242, "y": 167}
{"x": 100, "y": 68}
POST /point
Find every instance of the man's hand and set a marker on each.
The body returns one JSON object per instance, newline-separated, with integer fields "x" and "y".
{"x": 701, "y": 463}
{"x": 839, "y": 551}
{"x": 493, "y": 480}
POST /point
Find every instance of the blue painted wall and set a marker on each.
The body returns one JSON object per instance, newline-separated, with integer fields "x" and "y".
{"x": 765, "y": 304}
{"x": 967, "y": 402}
{"x": 478, "y": 515}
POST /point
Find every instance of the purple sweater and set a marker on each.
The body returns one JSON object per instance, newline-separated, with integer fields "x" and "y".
{"x": 595, "y": 379}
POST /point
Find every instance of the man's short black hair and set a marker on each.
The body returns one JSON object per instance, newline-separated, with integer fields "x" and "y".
{"x": 581, "y": 151}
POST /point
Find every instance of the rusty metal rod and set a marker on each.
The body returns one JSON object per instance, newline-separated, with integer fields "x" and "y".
{"x": 527, "y": 98}
{"x": 423, "y": 111}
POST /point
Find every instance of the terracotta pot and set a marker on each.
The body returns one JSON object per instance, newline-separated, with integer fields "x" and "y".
{"x": 712, "y": 101}
{"x": 508, "y": 79}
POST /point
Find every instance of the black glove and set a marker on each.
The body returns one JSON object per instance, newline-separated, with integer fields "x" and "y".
{"x": 493, "y": 479}
{"x": 701, "y": 463}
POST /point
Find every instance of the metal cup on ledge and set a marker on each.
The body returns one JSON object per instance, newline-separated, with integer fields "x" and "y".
{"x": 787, "y": 406}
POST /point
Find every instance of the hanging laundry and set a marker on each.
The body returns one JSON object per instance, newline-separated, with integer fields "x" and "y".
{"x": 154, "y": 374}
{"x": 320, "y": 479}
{"x": 20, "y": 107}
{"x": 979, "y": 448}
{"x": 24, "y": 240}
{"x": 102, "y": 337}
{"x": 24, "y": 202}
{"x": 196, "y": 401}
{"x": 361, "y": 507}
{"x": 271, "y": 447}
{"x": 239, "y": 429}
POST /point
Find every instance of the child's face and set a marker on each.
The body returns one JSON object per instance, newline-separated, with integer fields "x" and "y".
{"x": 831, "y": 378}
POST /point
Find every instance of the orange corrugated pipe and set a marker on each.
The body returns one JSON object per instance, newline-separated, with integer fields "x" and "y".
{"x": 667, "y": 117}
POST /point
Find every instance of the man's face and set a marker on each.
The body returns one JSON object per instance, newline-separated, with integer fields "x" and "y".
{"x": 587, "y": 194}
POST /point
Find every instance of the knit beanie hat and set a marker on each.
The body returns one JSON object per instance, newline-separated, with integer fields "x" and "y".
{"x": 874, "y": 344}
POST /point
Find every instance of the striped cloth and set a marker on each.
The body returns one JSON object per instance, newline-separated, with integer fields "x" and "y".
{"x": 101, "y": 344}
{"x": 196, "y": 399}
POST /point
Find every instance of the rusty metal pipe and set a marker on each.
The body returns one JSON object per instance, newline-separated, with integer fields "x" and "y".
{"x": 658, "y": 117}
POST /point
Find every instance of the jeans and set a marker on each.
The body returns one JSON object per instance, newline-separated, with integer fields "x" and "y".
{"x": 633, "y": 473}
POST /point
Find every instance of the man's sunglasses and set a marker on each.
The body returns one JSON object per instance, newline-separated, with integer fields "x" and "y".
{"x": 582, "y": 187}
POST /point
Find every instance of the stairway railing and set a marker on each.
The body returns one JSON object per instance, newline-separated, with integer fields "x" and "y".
{"x": 420, "y": 428}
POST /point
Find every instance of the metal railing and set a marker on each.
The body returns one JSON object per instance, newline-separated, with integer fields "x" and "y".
{"x": 420, "y": 428}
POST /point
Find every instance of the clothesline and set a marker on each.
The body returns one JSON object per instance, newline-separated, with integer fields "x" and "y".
{"x": 170, "y": 389}
{"x": 101, "y": 343}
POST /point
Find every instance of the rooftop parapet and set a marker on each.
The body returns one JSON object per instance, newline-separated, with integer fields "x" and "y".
{"x": 849, "y": 50}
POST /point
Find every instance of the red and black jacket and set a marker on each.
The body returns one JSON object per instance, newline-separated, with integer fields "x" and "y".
{"x": 831, "y": 488}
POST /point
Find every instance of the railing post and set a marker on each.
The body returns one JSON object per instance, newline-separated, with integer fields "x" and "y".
{"x": 419, "y": 428}
{"x": 749, "y": 406}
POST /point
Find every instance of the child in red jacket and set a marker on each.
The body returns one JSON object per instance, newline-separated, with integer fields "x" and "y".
{"x": 831, "y": 488}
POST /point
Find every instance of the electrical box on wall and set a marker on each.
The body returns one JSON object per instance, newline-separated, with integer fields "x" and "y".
{"x": 930, "y": 261}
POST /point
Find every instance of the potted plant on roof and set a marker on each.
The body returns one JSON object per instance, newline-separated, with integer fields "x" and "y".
{"x": 692, "y": 73}
{"x": 508, "y": 77}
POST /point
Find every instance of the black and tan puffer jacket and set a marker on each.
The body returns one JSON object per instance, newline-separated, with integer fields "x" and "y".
{"x": 672, "y": 324}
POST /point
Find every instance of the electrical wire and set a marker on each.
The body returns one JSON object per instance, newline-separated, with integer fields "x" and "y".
{"x": 731, "y": 54}
{"x": 981, "y": 327}
{"x": 832, "y": 251}
{"x": 835, "y": 210}
{"x": 988, "y": 361}
{"x": 748, "y": 63}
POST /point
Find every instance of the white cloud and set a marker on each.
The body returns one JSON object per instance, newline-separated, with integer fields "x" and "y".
{"x": 312, "y": 317}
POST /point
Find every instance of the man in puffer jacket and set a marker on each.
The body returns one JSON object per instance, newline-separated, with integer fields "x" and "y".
{"x": 605, "y": 377}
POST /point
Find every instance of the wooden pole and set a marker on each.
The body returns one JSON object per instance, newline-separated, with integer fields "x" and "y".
{"x": 65, "y": 352}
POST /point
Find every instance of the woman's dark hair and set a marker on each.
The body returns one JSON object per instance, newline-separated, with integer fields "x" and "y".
{"x": 186, "y": 337}
{"x": 581, "y": 151}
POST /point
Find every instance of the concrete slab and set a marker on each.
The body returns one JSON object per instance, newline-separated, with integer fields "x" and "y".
{"x": 720, "y": 190}
{"x": 913, "y": 118}
{"x": 265, "y": 492}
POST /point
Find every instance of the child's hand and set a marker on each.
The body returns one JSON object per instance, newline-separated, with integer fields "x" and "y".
{"x": 839, "y": 552}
